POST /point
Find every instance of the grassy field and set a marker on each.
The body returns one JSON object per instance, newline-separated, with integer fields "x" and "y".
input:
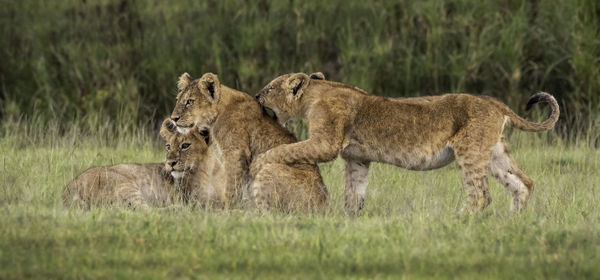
{"x": 409, "y": 228}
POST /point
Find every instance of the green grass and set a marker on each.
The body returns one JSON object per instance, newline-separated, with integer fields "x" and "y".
{"x": 409, "y": 228}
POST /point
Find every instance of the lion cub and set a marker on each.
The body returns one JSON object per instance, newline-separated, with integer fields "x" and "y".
{"x": 190, "y": 171}
{"x": 242, "y": 132}
{"x": 197, "y": 171}
{"x": 413, "y": 133}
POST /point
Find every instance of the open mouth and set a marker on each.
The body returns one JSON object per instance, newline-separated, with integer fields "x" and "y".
{"x": 268, "y": 112}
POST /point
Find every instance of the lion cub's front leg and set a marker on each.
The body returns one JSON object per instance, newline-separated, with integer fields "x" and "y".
{"x": 309, "y": 151}
{"x": 326, "y": 135}
{"x": 356, "y": 185}
{"x": 236, "y": 166}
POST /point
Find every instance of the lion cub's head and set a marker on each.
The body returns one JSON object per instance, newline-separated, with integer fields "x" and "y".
{"x": 184, "y": 151}
{"x": 283, "y": 93}
{"x": 196, "y": 101}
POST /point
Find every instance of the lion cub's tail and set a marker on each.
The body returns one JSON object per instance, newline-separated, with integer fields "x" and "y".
{"x": 547, "y": 124}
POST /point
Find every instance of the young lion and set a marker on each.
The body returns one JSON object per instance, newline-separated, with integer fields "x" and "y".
{"x": 413, "y": 133}
{"x": 190, "y": 169}
{"x": 194, "y": 165}
{"x": 242, "y": 132}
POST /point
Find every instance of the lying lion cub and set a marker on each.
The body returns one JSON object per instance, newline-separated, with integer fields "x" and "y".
{"x": 190, "y": 171}
{"x": 242, "y": 132}
{"x": 414, "y": 133}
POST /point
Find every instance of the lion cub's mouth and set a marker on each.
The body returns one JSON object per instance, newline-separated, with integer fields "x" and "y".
{"x": 268, "y": 112}
{"x": 178, "y": 174}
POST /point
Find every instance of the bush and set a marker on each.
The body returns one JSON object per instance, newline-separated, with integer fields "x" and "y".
{"x": 121, "y": 59}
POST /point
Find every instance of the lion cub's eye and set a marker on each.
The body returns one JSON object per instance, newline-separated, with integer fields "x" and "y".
{"x": 270, "y": 89}
{"x": 189, "y": 102}
{"x": 168, "y": 147}
{"x": 185, "y": 146}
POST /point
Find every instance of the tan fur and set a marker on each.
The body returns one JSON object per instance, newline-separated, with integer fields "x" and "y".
{"x": 203, "y": 176}
{"x": 137, "y": 186}
{"x": 413, "y": 133}
{"x": 242, "y": 132}
{"x": 140, "y": 186}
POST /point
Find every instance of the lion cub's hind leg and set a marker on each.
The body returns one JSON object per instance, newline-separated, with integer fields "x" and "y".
{"x": 505, "y": 170}
{"x": 130, "y": 195}
{"x": 475, "y": 181}
{"x": 472, "y": 150}
{"x": 287, "y": 188}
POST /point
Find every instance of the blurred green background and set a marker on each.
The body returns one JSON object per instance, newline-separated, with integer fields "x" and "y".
{"x": 118, "y": 61}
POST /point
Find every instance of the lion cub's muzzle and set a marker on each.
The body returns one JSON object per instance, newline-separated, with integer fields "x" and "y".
{"x": 266, "y": 110}
{"x": 181, "y": 127}
{"x": 176, "y": 170}
{"x": 170, "y": 165}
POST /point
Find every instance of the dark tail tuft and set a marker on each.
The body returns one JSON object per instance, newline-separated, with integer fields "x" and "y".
{"x": 525, "y": 125}
{"x": 540, "y": 96}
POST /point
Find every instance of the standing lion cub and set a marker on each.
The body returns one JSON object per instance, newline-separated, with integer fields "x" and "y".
{"x": 413, "y": 133}
{"x": 190, "y": 171}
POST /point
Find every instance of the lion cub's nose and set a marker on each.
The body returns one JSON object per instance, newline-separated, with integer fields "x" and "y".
{"x": 175, "y": 119}
{"x": 172, "y": 163}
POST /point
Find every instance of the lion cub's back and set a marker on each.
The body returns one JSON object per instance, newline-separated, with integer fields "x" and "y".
{"x": 122, "y": 184}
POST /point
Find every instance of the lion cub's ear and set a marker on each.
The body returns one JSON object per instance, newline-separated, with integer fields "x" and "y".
{"x": 184, "y": 80}
{"x": 167, "y": 128}
{"x": 317, "y": 76}
{"x": 296, "y": 83}
{"x": 210, "y": 86}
